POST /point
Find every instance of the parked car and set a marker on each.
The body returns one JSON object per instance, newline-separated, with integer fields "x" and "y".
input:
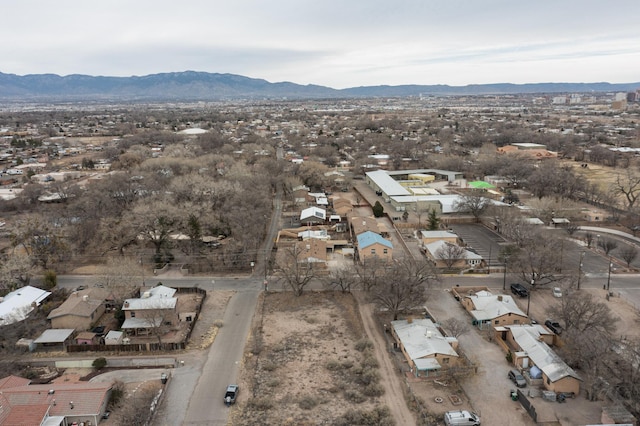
{"x": 519, "y": 289}
{"x": 557, "y": 292}
{"x": 461, "y": 417}
{"x": 554, "y": 326}
{"x": 231, "y": 394}
{"x": 517, "y": 378}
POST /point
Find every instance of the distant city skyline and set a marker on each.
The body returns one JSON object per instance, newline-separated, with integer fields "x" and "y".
{"x": 332, "y": 43}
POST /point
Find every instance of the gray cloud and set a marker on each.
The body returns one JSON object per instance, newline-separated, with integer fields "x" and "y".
{"x": 335, "y": 43}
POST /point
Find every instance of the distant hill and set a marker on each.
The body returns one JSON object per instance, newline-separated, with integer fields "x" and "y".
{"x": 191, "y": 85}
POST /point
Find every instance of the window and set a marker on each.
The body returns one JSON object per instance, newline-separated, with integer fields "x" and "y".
{"x": 497, "y": 322}
{"x": 373, "y": 251}
{"x": 133, "y": 314}
{"x": 385, "y": 251}
{"x": 445, "y": 360}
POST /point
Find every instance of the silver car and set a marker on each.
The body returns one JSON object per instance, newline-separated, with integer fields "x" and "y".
{"x": 517, "y": 378}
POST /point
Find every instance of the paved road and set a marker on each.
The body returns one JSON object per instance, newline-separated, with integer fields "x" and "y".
{"x": 206, "y": 406}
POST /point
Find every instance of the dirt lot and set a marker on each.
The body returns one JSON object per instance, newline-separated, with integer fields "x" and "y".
{"x": 310, "y": 363}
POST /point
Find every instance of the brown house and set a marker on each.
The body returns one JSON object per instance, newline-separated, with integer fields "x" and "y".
{"x": 81, "y": 309}
{"x": 531, "y": 352}
{"x": 372, "y": 246}
{"x": 425, "y": 348}
{"x": 312, "y": 250}
{"x": 489, "y": 310}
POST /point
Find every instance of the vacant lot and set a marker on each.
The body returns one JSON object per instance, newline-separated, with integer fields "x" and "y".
{"x": 309, "y": 363}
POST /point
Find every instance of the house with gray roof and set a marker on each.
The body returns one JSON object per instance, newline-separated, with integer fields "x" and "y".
{"x": 55, "y": 339}
{"x": 531, "y": 351}
{"x": 489, "y": 310}
{"x": 440, "y": 253}
{"x": 154, "y": 309}
{"x": 424, "y": 346}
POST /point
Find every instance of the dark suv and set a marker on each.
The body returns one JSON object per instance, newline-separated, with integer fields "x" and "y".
{"x": 554, "y": 326}
{"x": 519, "y": 289}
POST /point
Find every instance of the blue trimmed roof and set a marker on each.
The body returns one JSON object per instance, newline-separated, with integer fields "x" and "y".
{"x": 369, "y": 238}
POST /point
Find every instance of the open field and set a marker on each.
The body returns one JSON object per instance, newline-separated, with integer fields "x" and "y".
{"x": 308, "y": 363}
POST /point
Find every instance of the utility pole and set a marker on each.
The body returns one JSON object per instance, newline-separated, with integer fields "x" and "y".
{"x": 580, "y": 268}
{"x": 533, "y": 281}
{"x": 504, "y": 277}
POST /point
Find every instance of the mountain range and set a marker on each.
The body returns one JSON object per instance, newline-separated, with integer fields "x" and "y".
{"x": 203, "y": 86}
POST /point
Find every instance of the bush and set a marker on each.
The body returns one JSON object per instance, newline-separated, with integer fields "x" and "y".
{"x": 333, "y": 365}
{"x": 378, "y": 210}
{"x": 307, "y": 402}
{"x": 368, "y": 377}
{"x": 373, "y": 389}
{"x": 269, "y": 366}
{"x": 99, "y": 363}
{"x": 363, "y": 344}
{"x": 260, "y": 404}
{"x": 50, "y": 279}
{"x": 354, "y": 396}
{"x": 369, "y": 361}
{"x": 379, "y": 416}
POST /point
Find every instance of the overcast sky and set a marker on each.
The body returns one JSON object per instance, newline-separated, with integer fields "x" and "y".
{"x": 336, "y": 43}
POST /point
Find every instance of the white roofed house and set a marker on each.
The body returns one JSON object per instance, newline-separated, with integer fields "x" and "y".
{"x": 153, "y": 313}
{"x": 313, "y": 215}
{"x": 489, "y": 310}
{"x": 451, "y": 256}
{"x": 426, "y": 349}
{"x": 17, "y": 305}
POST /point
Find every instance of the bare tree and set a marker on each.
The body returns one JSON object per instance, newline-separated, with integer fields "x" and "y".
{"x": 158, "y": 316}
{"x": 537, "y": 258}
{"x": 369, "y": 273}
{"x": 404, "y": 286}
{"x": 607, "y": 245}
{"x": 342, "y": 278}
{"x": 450, "y": 254}
{"x": 583, "y": 313}
{"x": 43, "y": 242}
{"x": 294, "y": 270}
{"x": 455, "y": 327}
{"x": 572, "y": 229}
{"x": 119, "y": 275}
{"x": 137, "y": 410}
{"x": 15, "y": 270}
{"x": 627, "y": 185}
{"x": 474, "y": 203}
{"x": 589, "y": 237}
{"x": 629, "y": 254}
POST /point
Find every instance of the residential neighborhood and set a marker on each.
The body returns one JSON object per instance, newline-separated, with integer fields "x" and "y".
{"x": 264, "y": 227}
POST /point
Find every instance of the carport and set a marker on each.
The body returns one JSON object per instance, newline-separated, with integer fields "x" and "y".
{"x": 424, "y": 366}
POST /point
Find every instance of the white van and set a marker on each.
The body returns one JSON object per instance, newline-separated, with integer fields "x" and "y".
{"x": 461, "y": 418}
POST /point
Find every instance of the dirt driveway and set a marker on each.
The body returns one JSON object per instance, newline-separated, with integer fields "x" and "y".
{"x": 388, "y": 372}
{"x": 488, "y": 390}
